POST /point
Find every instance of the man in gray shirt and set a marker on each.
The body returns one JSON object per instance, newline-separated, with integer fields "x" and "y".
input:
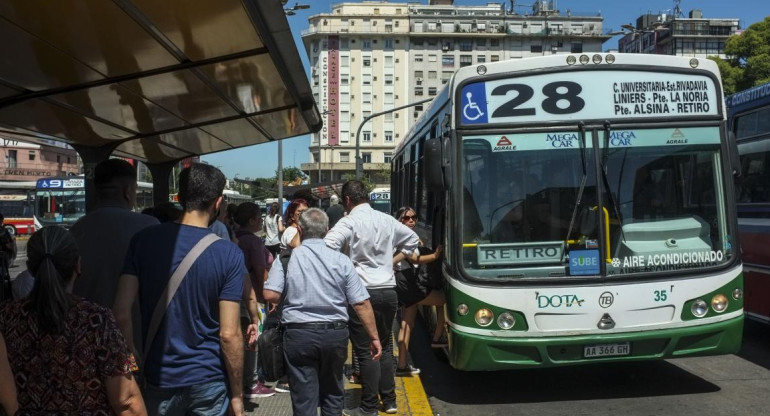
{"x": 103, "y": 235}
{"x": 319, "y": 285}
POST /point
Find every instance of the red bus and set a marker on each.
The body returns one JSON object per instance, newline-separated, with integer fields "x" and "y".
{"x": 17, "y": 206}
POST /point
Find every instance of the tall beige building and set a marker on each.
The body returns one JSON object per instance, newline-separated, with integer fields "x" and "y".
{"x": 374, "y": 56}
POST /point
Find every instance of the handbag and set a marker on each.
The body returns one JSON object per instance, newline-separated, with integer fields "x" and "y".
{"x": 429, "y": 275}
{"x": 270, "y": 342}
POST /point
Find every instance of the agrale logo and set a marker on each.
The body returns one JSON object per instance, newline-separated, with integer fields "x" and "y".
{"x": 503, "y": 144}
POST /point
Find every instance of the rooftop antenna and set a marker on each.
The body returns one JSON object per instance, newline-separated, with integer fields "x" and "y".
{"x": 513, "y": 3}
{"x": 677, "y": 10}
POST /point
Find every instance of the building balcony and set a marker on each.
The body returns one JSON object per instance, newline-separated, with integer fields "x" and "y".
{"x": 361, "y": 29}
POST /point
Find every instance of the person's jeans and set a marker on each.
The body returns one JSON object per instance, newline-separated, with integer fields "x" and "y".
{"x": 376, "y": 377}
{"x": 201, "y": 399}
{"x": 314, "y": 363}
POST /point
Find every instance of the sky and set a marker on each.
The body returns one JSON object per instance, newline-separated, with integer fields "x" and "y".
{"x": 261, "y": 160}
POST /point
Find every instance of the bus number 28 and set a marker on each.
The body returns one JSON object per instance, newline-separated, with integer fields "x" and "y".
{"x": 570, "y": 92}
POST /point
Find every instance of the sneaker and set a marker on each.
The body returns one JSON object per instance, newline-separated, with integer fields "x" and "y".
{"x": 282, "y": 387}
{"x": 354, "y": 378}
{"x": 258, "y": 391}
{"x": 409, "y": 370}
{"x": 357, "y": 412}
{"x": 390, "y": 408}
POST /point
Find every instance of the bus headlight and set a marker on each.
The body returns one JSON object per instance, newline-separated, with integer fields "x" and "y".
{"x": 719, "y": 303}
{"x": 597, "y": 59}
{"x": 694, "y": 62}
{"x": 484, "y": 317}
{"x": 571, "y": 60}
{"x": 699, "y": 308}
{"x": 506, "y": 320}
{"x": 584, "y": 59}
{"x": 737, "y": 293}
{"x": 462, "y": 309}
{"x": 610, "y": 58}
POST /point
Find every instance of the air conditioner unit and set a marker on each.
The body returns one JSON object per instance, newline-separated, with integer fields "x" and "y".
{"x": 419, "y": 79}
{"x": 374, "y": 59}
{"x": 396, "y": 60}
{"x": 396, "y": 97}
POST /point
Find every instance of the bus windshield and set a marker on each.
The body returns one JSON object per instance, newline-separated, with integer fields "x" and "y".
{"x": 60, "y": 207}
{"x": 531, "y": 200}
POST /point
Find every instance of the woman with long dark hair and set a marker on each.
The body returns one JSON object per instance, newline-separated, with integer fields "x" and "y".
{"x": 273, "y": 228}
{"x": 412, "y": 292}
{"x": 68, "y": 352}
{"x": 290, "y": 238}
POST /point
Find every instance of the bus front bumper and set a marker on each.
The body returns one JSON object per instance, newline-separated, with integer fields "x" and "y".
{"x": 485, "y": 353}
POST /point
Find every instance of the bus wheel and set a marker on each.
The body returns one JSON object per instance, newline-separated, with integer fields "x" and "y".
{"x": 11, "y": 230}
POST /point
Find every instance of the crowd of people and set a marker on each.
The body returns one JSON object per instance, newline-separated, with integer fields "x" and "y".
{"x": 154, "y": 319}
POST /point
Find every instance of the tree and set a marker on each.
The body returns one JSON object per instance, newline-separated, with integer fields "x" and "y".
{"x": 291, "y": 174}
{"x": 749, "y": 62}
{"x": 365, "y": 179}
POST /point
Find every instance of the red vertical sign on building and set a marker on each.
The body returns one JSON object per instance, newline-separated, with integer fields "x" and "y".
{"x": 333, "y": 118}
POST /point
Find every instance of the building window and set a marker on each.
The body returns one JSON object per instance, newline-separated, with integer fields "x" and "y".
{"x": 418, "y": 58}
{"x": 494, "y": 42}
{"x": 366, "y": 157}
{"x": 481, "y": 42}
{"x": 344, "y": 60}
{"x": 418, "y": 74}
{"x": 445, "y": 75}
{"x": 31, "y": 155}
{"x": 465, "y": 60}
{"x": 13, "y": 159}
{"x": 388, "y": 136}
{"x": 576, "y": 48}
{"x": 494, "y": 58}
{"x": 432, "y": 75}
{"x": 417, "y": 90}
{"x": 388, "y": 79}
{"x": 366, "y": 79}
{"x": 367, "y": 136}
{"x": 448, "y": 61}
{"x": 466, "y": 45}
{"x": 418, "y": 107}
{"x": 481, "y": 59}
{"x": 432, "y": 91}
{"x": 431, "y": 58}
{"x": 388, "y": 43}
{"x": 344, "y": 44}
{"x": 366, "y": 44}
{"x": 345, "y": 157}
{"x": 387, "y": 157}
{"x": 536, "y": 48}
{"x": 315, "y": 157}
{"x": 344, "y": 80}
{"x": 367, "y": 98}
{"x": 367, "y": 61}
{"x": 389, "y": 62}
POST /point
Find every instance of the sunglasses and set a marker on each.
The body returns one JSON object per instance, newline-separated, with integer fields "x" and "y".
{"x": 409, "y": 217}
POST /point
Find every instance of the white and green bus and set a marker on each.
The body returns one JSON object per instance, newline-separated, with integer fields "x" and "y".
{"x": 585, "y": 203}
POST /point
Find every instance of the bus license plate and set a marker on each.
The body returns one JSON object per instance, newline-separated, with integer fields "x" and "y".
{"x": 607, "y": 350}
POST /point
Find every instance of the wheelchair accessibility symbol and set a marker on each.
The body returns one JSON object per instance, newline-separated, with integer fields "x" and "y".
{"x": 474, "y": 104}
{"x": 472, "y": 108}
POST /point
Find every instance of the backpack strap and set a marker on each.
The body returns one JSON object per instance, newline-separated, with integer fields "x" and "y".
{"x": 172, "y": 286}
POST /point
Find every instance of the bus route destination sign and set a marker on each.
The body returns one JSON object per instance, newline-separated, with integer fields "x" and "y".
{"x": 379, "y": 196}
{"x": 588, "y": 95}
{"x": 60, "y": 183}
{"x": 547, "y": 252}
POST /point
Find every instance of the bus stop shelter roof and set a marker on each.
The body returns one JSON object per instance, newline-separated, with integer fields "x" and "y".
{"x": 154, "y": 80}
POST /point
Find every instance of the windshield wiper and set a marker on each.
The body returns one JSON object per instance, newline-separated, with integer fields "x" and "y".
{"x": 578, "y": 200}
{"x": 605, "y": 180}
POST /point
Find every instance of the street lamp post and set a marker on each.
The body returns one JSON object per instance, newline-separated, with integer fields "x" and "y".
{"x": 359, "y": 164}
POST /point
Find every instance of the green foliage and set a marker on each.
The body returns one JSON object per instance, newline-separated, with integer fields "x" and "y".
{"x": 291, "y": 173}
{"x": 749, "y": 62}
{"x": 365, "y": 179}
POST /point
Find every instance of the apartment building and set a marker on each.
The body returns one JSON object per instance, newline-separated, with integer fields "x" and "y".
{"x": 674, "y": 34}
{"x": 374, "y": 56}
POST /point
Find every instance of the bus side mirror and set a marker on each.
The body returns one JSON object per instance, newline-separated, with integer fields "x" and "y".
{"x": 436, "y": 169}
{"x": 735, "y": 159}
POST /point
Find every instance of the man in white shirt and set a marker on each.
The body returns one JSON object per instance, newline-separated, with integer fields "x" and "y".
{"x": 369, "y": 238}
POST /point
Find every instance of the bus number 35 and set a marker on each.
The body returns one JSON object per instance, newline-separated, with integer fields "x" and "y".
{"x": 552, "y": 93}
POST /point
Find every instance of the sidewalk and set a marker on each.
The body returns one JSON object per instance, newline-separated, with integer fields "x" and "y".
{"x": 410, "y": 397}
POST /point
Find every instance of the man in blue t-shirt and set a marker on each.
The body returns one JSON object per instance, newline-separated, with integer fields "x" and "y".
{"x": 195, "y": 361}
